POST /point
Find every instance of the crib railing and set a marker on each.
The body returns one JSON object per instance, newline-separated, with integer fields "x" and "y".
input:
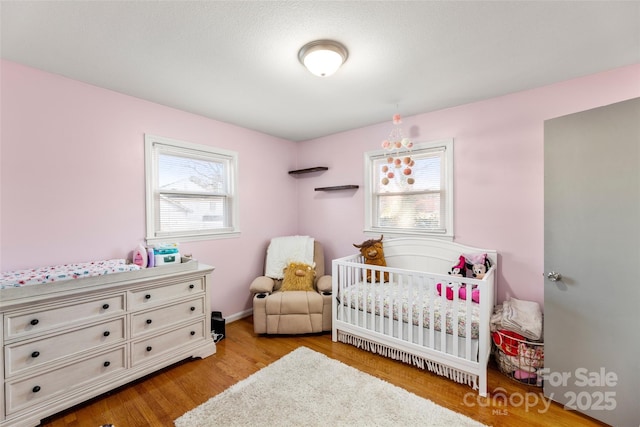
{"x": 439, "y": 324}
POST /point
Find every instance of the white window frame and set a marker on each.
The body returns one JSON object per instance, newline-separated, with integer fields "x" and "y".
{"x": 370, "y": 198}
{"x": 156, "y": 144}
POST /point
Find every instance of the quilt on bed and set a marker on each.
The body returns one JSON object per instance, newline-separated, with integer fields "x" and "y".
{"x": 37, "y": 276}
{"x": 363, "y": 295}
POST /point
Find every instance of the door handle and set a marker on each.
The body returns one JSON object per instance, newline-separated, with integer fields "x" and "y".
{"x": 553, "y": 276}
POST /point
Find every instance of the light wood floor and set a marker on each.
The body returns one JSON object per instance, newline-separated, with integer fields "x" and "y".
{"x": 162, "y": 397}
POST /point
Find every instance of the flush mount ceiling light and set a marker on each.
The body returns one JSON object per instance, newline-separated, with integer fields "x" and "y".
{"x": 323, "y": 57}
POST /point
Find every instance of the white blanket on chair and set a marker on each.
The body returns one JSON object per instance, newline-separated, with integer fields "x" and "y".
{"x": 283, "y": 250}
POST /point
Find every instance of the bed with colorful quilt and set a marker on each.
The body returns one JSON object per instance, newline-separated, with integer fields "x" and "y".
{"x": 430, "y": 306}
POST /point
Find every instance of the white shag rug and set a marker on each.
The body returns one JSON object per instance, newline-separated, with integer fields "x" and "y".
{"x": 307, "y": 388}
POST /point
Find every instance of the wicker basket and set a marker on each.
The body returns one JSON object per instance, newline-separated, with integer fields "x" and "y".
{"x": 518, "y": 358}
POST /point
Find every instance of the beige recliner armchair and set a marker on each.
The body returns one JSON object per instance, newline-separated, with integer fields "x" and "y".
{"x": 277, "y": 311}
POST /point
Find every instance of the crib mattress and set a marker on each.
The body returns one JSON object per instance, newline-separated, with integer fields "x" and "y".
{"x": 397, "y": 298}
{"x": 43, "y": 275}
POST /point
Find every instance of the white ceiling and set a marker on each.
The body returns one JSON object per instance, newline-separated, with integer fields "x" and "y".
{"x": 236, "y": 61}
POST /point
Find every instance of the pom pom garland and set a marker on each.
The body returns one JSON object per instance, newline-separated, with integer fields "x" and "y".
{"x": 397, "y": 141}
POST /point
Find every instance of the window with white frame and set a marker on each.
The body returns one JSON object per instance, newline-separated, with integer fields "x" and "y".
{"x": 418, "y": 201}
{"x": 191, "y": 191}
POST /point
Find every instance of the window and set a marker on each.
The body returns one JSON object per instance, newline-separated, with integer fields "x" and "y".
{"x": 393, "y": 205}
{"x": 191, "y": 191}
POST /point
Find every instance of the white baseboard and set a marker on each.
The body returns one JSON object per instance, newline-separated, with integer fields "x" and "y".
{"x": 238, "y": 316}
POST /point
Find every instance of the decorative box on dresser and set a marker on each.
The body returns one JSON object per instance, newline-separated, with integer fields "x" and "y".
{"x": 66, "y": 342}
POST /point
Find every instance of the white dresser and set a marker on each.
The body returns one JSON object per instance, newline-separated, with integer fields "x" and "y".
{"x": 66, "y": 342}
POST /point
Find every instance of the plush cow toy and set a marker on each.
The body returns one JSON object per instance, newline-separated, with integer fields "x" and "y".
{"x": 373, "y": 254}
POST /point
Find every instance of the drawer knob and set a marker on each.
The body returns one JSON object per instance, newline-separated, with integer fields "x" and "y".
{"x": 193, "y": 333}
{"x": 147, "y": 296}
{"x": 191, "y": 286}
{"x": 105, "y": 306}
{"x": 107, "y": 363}
{"x": 149, "y": 321}
{"x": 149, "y": 348}
{"x": 106, "y": 333}
{"x": 34, "y": 322}
{"x": 36, "y": 389}
{"x": 193, "y": 309}
{"x": 35, "y": 354}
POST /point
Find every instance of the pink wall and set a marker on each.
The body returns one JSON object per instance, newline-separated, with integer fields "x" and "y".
{"x": 72, "y": 179}
{"x": 72, "y": 176}
{"x": 498, "y": 172}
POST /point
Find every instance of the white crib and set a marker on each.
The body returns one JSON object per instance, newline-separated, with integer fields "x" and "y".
{"x": 388, "y": 318}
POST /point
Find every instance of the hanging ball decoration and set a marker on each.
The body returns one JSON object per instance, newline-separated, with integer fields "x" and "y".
{"x": 398, "y": 163}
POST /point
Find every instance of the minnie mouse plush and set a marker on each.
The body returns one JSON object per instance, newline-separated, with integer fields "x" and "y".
{"x": 460, "y": 269}
{"x": 479, "y": 270}
{"x": 479, "y": 264}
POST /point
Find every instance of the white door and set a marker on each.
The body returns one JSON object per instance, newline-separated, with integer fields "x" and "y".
{"x": 592, "y": 243}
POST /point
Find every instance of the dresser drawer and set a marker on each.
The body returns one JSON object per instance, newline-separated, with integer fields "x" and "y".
{"x": 152, "y": 347}
{"x": 155, "y": 319}
{"x": 29, "y": 391}
{"x": 41, "y": 319}
{"x": 30, "y": 354}
{"x": 141, "y": 298}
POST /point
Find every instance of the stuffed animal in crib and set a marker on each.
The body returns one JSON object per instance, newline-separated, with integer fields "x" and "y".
{"x": 479, "y": 270}
{"x": 475, "y": 294}
{"x": 373, "y": 254}
{"x": 462, "y": 292}
{"x": 479, "y": 264}
{"x": 460, "y": 269}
